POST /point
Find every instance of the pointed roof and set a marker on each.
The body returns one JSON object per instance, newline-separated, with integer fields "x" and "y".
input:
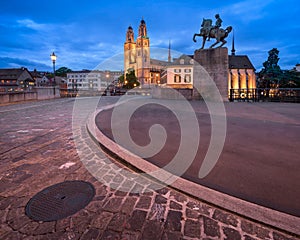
{"x": 12, "y": 73}
{"x": 186, "y": 60}
{"x": 239, "y": 62}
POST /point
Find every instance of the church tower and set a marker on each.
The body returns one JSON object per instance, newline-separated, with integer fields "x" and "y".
{"x": 143, "y": 55}
{"x": 129, "y": 50}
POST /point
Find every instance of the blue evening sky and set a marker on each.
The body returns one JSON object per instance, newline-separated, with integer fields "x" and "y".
{"x": 84, "y": 34}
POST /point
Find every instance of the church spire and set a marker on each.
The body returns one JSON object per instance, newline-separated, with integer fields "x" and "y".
{"x": 130, "y": 35}
{"x": 233, "y": 50}
{"x": 169, "y": 56}
{"x": 142, "y": 28}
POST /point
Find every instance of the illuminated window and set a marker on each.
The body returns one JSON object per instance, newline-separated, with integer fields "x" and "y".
{"x": 177, "y": 78}
{"x": 177, "y": 70}
{"x": 187, "y": 78}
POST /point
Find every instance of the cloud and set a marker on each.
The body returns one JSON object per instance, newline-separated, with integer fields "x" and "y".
{"x": 28, "y": 23}
{"x": 248, "y": 10}
{"x": 89, "y": 33}
{"x": 7, "y": 62}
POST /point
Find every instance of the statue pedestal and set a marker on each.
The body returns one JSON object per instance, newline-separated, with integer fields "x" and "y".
{"x": 215, "y": 62}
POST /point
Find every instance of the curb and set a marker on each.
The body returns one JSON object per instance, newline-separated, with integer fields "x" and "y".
{"x": 256, "y": 213}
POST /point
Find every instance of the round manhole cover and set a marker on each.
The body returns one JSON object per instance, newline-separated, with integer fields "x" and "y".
{"x": 59, "y": 201}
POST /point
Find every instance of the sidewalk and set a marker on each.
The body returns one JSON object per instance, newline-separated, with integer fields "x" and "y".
{"x": 36, "y": 143}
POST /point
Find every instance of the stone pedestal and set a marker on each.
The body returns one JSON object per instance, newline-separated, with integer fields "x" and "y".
{"x": 215, "y": 62}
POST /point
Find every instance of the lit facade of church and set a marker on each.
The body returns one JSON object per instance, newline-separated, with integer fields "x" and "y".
{"x": 137, "y": 53}
{"x": 137, "y": 57}
{"x": 241, "y": 76}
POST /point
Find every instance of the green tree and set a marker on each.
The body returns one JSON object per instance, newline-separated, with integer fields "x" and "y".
{"x": 271, "y": 75}
{"x": 291, "y": 79}
{"x": 62, "y": 72}
{"x": 131, "y": 80}
{"x": 121, "y": 79}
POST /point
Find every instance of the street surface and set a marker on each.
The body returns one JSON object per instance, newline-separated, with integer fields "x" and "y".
{"x": 37, "y": 150}
{"x": 260, "y": 160}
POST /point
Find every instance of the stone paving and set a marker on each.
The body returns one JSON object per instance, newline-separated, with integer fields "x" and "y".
{"x": 37, "y": 140}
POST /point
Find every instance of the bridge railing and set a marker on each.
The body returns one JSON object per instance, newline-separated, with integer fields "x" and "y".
{"x": 265, "y": 95}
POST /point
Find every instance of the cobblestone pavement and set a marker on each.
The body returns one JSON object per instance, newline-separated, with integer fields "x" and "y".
{"x": 37, "y": 141}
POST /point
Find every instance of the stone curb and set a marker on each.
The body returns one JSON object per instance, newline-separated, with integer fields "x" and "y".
{"x": 257, "y": 213}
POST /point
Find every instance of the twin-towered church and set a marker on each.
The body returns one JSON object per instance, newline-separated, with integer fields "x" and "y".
{"x": 137, "y": 53}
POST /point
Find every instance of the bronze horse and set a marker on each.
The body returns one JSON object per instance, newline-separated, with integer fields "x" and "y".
{"x": 219, "y": 34}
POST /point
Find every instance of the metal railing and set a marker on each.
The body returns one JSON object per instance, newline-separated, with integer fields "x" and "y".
{"x": 265, "y": 95}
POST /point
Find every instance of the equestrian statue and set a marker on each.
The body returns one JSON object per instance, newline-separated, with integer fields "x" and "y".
{"x": 209, "y": 31}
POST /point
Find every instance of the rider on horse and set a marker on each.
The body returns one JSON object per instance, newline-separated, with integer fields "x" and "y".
{"x": 216, "y": 27}
{"x": 208, "y": 30}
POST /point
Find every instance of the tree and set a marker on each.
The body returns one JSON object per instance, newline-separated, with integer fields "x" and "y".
{"x": 62, "y": 72}
{"x": 121, "y": 79}
{"x": 291, "y": 79}
{"x": 271, "y": 74}
{"x": 131, "y": 80}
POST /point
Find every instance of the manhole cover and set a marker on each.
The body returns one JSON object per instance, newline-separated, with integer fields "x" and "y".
{"x": 59, "y": 201}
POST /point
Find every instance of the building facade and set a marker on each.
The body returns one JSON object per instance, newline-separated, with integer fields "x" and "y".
{"x": 241, "y": 77}
{"x": 137, "y": 53}
{"x": 180, "y": 72}
{"x": 137, "y": 57}
{"x": 16, "y": 80}
{"x": 87, "y": 80}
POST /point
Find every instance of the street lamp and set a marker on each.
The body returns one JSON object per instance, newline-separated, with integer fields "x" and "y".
{"x": 53, "y": 58}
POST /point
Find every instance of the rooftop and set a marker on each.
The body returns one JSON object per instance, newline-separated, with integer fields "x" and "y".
{"x": 239, "y": 62}
{"x": 11, "y": 73}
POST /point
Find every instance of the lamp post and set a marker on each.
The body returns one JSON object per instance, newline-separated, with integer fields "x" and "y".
{"x": 107, "y": 80}
{"x": 53, "y": 58}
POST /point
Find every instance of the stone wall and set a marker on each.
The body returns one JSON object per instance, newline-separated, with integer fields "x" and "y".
{"x": 39, "y": 93}
{"x": 17, "y": 97}
{"x": 171, "y": 93}
{"x": 47, "y": 92}
{"x": 215, "y": 62}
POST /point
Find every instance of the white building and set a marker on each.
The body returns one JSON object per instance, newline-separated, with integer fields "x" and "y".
{"x": 84, "y": 80}
{"x": 180, "y": 72}
{"x": 87, "y": 80}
